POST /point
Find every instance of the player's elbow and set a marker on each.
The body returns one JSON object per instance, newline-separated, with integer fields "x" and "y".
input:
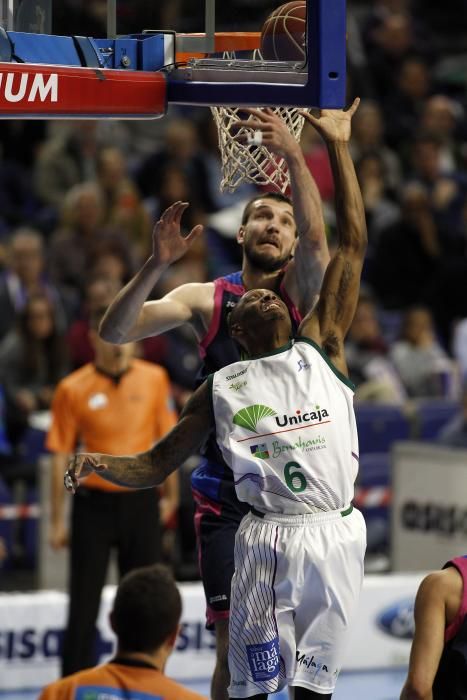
{"x": 110, "y": 333}
{"x": 417, "y": 688}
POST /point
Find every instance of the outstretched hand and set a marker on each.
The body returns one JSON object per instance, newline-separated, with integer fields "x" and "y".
{"x": 168, "y": 244}
{"x": 81, "y": 465}
{"x": 333, "y": 124}
{"x": 275, "y": 134}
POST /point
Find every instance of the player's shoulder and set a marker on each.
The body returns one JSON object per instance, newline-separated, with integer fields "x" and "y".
{"x": 76, "y": 378}
{"x": 441, "y": 584}
{"x": 66, "y": 687}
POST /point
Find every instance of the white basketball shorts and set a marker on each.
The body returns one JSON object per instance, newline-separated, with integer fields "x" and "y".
{"x": 294, "y": 593}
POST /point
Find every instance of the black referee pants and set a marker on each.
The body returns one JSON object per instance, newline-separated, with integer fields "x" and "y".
{"x": 102, "y": 521}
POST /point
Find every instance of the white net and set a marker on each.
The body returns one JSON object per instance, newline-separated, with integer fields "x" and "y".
{"x": 251, "y": 161}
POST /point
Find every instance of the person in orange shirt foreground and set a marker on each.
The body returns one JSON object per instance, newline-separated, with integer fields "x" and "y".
{"x": 116, "y": 403}
{"x": 145, "y": 618}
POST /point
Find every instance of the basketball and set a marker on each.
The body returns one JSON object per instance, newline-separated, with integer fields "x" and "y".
{"x": 283, "y": 33}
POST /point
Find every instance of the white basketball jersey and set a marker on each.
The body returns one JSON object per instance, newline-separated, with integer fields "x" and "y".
{"x": 285, "y": 424}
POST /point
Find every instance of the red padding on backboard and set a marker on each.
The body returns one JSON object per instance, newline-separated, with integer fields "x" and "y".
{"x": 36, "y": 91}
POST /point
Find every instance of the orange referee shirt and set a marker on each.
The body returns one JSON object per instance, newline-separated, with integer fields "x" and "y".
{"x": 94, "y": 413}
{"x": 118, "y": 681}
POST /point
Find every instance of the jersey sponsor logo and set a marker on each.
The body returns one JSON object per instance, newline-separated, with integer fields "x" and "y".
{"x": 311, "y": 663}
{"x": 260, "y": 451}
{"x": 238, "y": 374}
{"x": 250, "y": 416}
{"x": 280, "y": 448}
{"x": 236, "y": 386}
{"x": 29, "y": 87}
{"x": 303, "y": 365}
{"x": 264, "y": 660}
{"x": 312, "y": 415}
{"x": 397, "y": 620}
{"x": 97, "y": 401}
{"x": 217, "y": 598}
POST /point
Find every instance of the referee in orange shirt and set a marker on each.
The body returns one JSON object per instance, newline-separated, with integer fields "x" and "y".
{"x": 120, "y": 405}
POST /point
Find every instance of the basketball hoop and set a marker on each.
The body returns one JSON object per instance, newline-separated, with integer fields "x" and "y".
{"x": 252, "y": 161}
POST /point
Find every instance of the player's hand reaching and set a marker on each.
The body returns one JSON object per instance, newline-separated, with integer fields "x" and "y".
{"x": 168, "y": 243}
{"x": 265, "y": 127}
{"x": 81, "y": 465}
{"x": 333, "y": 124}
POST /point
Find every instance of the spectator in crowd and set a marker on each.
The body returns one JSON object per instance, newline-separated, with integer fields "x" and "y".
{"x": 393, "y": 38}
{"x": 367, "y": 356}
{"x": 454, "y": 433}
{"x": 368, "y": 138}
{"x": 181, "y": 147}
{"x": 66, "y": 158}
{"x": 381, "y": 211}
{"x": 123, "y": 206}
{"x": 33, "y": 360}
{"x": 407, "y": 254}
{"x": 423, "y": 365}
{"x": 446, "y": 190}
{"x": 402, "y": 106}
{"x": 99, "y": 291}
{"x": 80, "y": 234}
{"x": 24, "y": 275}
{"x": 438, "y": 655}
{"x": 145, "y": 618}
{"x": 440, "y": 117}
{"x": 120, "y": 404}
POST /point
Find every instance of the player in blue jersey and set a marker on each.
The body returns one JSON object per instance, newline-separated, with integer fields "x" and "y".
{"x": 299, "y": 550}
{"x": 285, "y": 250}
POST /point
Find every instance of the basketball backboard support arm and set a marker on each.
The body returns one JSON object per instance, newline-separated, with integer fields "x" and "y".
{"x": 324, "y": 76}
{"x": 136, "y": 76}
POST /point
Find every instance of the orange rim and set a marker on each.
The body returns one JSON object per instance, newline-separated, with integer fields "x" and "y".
{"x": 223, "y": 41}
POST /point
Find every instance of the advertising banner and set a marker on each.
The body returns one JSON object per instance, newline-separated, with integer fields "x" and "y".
{"x": 429, "y": 510}
{"x": 31, "y": 628}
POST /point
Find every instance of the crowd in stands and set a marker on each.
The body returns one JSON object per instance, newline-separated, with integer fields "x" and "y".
{"x": 79, "y": 200}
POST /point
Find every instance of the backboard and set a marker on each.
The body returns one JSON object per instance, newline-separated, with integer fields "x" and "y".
{"x": 245, "y": 77}
{"x": 211, "y": 53}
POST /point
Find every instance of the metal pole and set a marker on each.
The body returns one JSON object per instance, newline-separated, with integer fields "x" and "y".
{"x": 111, "y": 19}
{"x": 210, "y": 25}
{"x": 11, "y": 15}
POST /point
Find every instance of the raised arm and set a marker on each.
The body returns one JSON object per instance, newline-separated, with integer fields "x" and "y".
{"x": 329, "y": 322}
{"x": 130, "y": 317}
{"x": 150, "y": 468}
{"x": 305, "y": 273}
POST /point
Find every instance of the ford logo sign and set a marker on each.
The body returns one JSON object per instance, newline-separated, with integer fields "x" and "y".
{"x": 397, "y": 620}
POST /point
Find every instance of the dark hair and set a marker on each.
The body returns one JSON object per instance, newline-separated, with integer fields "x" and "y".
{"x": 147, "y": 609}
{"x": 276, "y": 196}
{"x": 51, "y": 351}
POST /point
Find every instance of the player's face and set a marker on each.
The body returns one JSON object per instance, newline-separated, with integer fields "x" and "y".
{"x": 261, "y": 305}
{"x": 268, "y": 237}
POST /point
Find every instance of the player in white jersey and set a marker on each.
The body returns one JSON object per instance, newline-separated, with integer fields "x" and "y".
{"x": 284, "y": 420}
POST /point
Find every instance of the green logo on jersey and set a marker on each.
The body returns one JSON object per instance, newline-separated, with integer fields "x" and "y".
{"x": 250, "y": 416}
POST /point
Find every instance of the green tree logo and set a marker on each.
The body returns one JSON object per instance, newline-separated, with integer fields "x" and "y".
{"x": 250, "y": 416}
